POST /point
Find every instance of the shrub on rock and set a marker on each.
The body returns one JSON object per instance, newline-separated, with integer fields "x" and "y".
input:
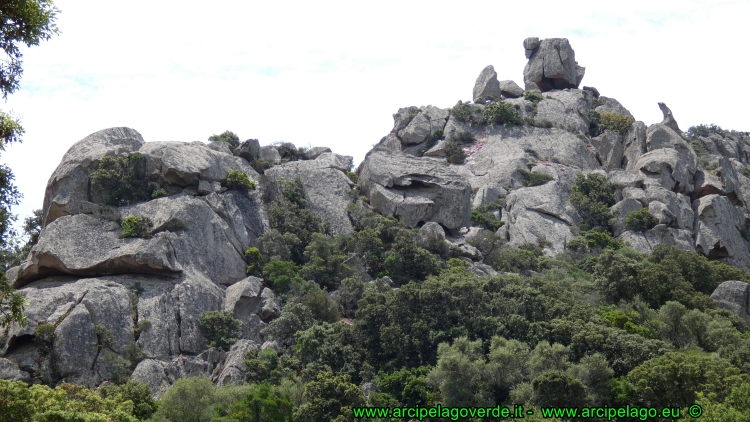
{"x": 616, "y": 122}
{"x": 229, "y": 137}
{"x": 136, "y": 226}
{"x": 122, "y": 180}
{"x": 220, "y": 327}
{"x": 641, "y": 220}
{"x": 239, "y": 180}
{"x": 501, "y": 113}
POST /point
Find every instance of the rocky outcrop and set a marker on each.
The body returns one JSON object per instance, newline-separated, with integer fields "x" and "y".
{"x": 552, "y": 64}
{"x": 423, "y": 124}
{"x": 734, "y": 296}
{"x": 68, "y": 186}
{"x": 416, "y": 189}
{"x": 326, "y": 186}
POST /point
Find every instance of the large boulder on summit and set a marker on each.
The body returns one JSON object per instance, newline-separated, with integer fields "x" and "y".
{"x": 68, "y": 186}
{"x": 487, "y": 86}
{"x": 325, "y": 184}
{"x": 510, "y": 89}
{"x": 416, "y": 189}
{"x": 552, "y": 64}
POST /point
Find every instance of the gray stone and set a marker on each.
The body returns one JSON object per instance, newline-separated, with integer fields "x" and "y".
{"x": 358, "y": 264}
{"x": 592, "y": 90}
{"x": 220, "y": 146}
{"x": 335, "y": 161}
{"x": 717, "y": 230}
{"x": 661, "y": 234}
{"x": 621, "y": 210}
{"x": 314, "y": 152}
{"x": 610, "y": 105}
{"x": 270, "y": 154}
{"x": 734, "y": 296}
{"x": 567, "y": 109}
{"x": 325, "y": 184}
{"x": 541, "y": 213}
{"x": 271, "y": 307}
{"x": 233, "y": 370}
{"x": 249, "y": 150}
{"x": 669, "y": 169}
{"x": 438, "y": 150}
{"x": 245, "y": 300}
{"x": 425, "y": 123}
{"x": 416, "y": 189}
{"x": 510, "y": 89}
{"x": 184, "y": 164}
{"x": 553, "y": 66}
{"x": 482, "y": 270}
{"x": 152, "y": 373}
{"x": 403, "y": 117}
{"x": 487, "y": 87}
{"x": 11, "y": 372}
{"x": 669, "y": 120}
{"x": 707, "y": 184}
{"x": 69, "y": 184}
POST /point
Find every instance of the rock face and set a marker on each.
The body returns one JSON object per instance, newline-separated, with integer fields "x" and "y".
{"x": 326, "y": 186}
{"x": 733, "y": 295}
{"x": 552, "y": 64}
{"x": 146, "y": 293}
{"x": 416, "y": 189}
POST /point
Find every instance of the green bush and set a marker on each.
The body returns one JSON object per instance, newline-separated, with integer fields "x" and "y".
{"x": 229, "y": 137}
{"x": 537, "y": 179}
{"x": 592, "y": 196}
{"x": 122, "y": 180}
{"x": 137, "y": 392}
{"x": 255, "y": 262}
{"x": 484, "y": 216}
{"x": 283, "y": 276}
{"x": 501, "y": 113}
{"x": 467, "y": 113}
{"x": 641, "y": 220}
{"x": 159, "y": 193}
{"x": 595, "y": 123}
{"x": 704, "y": 130}
{"x": 238, "y": 180}
{"x": 261, "y": 165}
{"x": 220, "y": 328}
{"x": 352, "y": 176}
{"x": 136, "y": 226}
{"x": 533, "y": 96}
{"x": 615, "y": 122}
{"x": 454, "y": 152}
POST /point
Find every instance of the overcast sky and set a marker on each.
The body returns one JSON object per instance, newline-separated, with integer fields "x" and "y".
{"x": 332, "y": 74}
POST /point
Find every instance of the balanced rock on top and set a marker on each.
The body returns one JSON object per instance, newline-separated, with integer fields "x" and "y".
{"x": 552, "y": 64}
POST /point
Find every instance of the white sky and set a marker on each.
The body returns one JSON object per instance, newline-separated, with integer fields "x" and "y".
{"x": 332, "y": 74}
